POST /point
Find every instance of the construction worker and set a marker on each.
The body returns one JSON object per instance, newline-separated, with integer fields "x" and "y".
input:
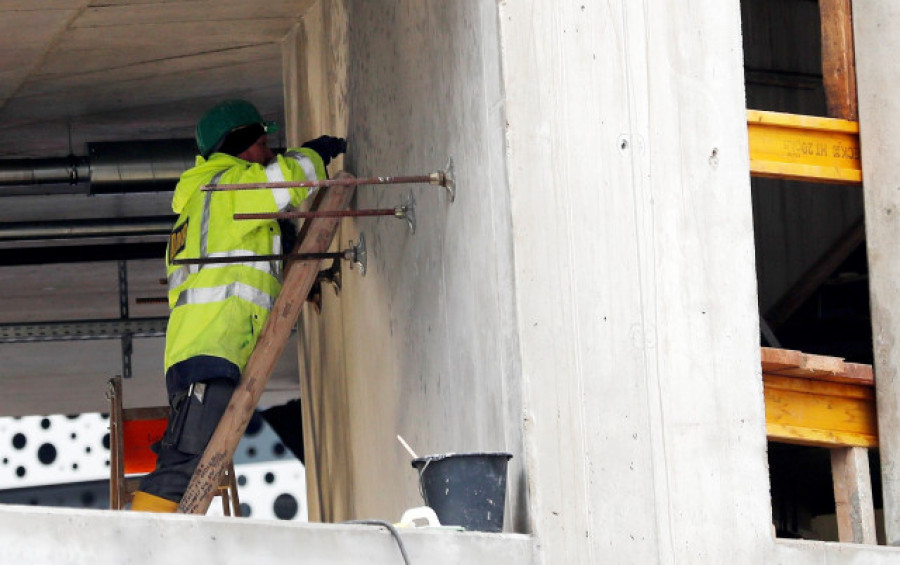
{"x": 218, "y": 310}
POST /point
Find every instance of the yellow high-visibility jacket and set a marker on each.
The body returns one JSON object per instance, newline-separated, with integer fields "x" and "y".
{"x": 220, "y": 309}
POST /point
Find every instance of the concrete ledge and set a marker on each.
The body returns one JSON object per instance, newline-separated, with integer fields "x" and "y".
{"x": 800, "y": 552}
{"x": 39, "y": 535}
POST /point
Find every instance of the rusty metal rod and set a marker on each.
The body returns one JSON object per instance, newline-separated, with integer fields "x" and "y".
{"x": 255, "y": 258}
{"x": 399, "y": 211}
{"x": 438, "y": 178}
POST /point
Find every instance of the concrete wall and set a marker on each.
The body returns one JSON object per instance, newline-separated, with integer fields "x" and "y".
{"x": 587, "y": 303}
{"x": 635, "y": 286}
{"x": 425, "y": 345}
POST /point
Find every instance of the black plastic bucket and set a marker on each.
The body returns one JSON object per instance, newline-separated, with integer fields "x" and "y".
{"x": 465, "y": 489}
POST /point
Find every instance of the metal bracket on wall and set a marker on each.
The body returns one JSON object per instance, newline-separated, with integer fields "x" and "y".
{"x": 357, "y": 254}
{"x": 407, "y": 211}
{"x": 332, "y": 276}
{"x": 445, "y": 178}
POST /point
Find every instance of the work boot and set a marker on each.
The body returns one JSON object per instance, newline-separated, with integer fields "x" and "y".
{"x": 146, "y": 502}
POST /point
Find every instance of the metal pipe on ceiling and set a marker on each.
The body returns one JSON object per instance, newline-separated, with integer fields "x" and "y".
{"x": 86, "y": 228}
{"x": 139, "y": 166}
{"x": 53, "y": 170}
{"x": 110, "y": 167}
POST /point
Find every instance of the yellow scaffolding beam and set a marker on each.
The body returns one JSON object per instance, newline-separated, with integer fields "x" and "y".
{"x": 818, "y": 400}
{"x": 805, "y": 148}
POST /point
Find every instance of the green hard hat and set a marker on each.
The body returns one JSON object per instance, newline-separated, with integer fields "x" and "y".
{"x": 225, "y": 117}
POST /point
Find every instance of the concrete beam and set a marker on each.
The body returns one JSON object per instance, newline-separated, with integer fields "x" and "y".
{"x": 802, "y": 552}
{"x": 49, "y": 536}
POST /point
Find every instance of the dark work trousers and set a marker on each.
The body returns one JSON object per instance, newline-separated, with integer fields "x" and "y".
{"x": 199, "y": 392}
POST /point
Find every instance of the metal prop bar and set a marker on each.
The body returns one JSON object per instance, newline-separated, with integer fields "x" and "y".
{"x": 405, "y": 211}
{"x": 356, "y": 254}
{"x": 255, "y": 258}
{"x": 437, "y": 178}
{"x": 398, "y": 211}
{"x": 440, "y": 178}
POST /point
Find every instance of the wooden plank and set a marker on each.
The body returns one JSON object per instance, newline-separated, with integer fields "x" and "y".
{"x": 813, "y": 412}
{"x": 863, "y": 377}
{"x": 859, "y": 373}
{"x": 774, "y": 359}
{"x": 807, "y": 148}
{"x": 854, "y": 503}
{"x": 838, "y": 59}
{"x": 822, "y": 364}
{"x": 798, "y": 364}
{"x": 791, "y": 363}
{"x": 853, "y": 374}
{"x": 116, "y": 444}
{"x": 298, "y": 280}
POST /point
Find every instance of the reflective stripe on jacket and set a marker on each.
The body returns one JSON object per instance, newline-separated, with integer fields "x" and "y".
{"x": 219, "y": 309}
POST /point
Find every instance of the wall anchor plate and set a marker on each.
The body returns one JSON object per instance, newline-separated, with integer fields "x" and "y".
{"x": 408, "y": 211}
{"x": 356, "y": 254}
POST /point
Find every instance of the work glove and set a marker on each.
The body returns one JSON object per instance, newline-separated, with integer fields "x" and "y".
{"x": 327, "y": 147}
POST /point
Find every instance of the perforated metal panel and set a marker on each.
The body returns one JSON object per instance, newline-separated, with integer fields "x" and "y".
{"x": 64, "y": 461}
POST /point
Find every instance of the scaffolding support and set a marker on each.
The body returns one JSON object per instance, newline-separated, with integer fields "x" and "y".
{"x": 838, "y": 59}
{"x": 804, "y": 148}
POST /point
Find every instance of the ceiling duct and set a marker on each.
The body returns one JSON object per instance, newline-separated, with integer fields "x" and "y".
{"x": 139, "y": 166}
{"x": 110, "y": 167}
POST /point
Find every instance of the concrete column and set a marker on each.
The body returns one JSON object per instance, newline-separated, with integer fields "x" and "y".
{"x": 876, "y": 25}
{"x": 635, "y": 281}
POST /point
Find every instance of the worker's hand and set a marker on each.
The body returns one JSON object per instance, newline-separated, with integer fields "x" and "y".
{"x": 327, "y": 147}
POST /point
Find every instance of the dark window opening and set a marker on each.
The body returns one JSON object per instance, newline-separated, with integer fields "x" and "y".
{"x": 810, "y": 255}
